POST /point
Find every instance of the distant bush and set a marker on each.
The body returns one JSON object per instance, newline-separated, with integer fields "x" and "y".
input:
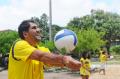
{"x": 115, "y": 49}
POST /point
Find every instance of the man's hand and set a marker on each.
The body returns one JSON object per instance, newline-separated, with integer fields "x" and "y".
{"x": 71, "y": 63}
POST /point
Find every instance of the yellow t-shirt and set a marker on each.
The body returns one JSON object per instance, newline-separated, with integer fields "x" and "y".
{"x": 85, "y": 69}
{"x": 103, "y": 58}
{"x": 25, "y": 68}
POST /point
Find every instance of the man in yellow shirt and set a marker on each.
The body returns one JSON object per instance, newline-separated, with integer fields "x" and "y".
{"x": 103, "y": 61}
{"x": 26, "y": 58}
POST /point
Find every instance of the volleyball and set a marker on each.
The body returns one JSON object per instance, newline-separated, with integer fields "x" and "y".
{"x": 66, "y": 39}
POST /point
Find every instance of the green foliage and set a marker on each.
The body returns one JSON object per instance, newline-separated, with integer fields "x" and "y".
{"x": 108, "y": 22}
{"x": 115, "y": 49}
{"x": 63, "y": 51}
{"x": 74, "y": 22}
{"x": 48, "y": 44}
{"x": 52, "y": 48}
{"x": 55, "y": 29}
{"x": 101, "y": 21}
{"x": 89, "y": 40}
{"x": 6, "y": 39}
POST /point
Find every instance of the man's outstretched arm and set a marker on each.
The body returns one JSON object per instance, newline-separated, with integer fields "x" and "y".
{"x": 56, "y": 60}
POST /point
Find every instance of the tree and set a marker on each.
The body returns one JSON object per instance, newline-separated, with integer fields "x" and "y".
{"x": 74, "y": 22}
{"x": 7, "y": 37}
{"x": 89, "y": 40}
{"x": 55, "y": 29}
{"x": 109, "y": 23}
{"x": 102, "y": 22}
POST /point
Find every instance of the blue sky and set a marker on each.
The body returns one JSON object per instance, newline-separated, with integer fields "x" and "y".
{"x": 4, "y": 2}
{"x": 106, "y": 1}
{"x": 12, "y": 12}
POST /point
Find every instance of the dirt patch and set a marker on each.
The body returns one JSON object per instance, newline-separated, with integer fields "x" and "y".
{"x": 112, "y": 72}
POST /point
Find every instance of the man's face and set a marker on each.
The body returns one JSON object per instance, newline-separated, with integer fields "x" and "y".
{"x": 34, "y": 32}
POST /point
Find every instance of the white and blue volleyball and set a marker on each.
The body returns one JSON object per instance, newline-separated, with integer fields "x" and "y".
{"x": 66, "y": 39}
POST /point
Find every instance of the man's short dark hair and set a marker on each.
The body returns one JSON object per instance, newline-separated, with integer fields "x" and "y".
{"x": 24, "y": 27}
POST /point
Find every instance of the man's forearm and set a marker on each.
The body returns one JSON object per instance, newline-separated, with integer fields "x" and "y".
{"x": 53, "y": 59}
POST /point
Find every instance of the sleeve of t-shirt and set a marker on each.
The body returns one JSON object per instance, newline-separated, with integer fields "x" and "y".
{"x": 23, "y": 50}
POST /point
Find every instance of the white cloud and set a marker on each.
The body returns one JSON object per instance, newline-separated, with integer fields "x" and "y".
{"x": 67, "y": 9}
{"x": 62, "y": 10}
{"x": 102, "y": 6}
{"x": 12, "y": 15}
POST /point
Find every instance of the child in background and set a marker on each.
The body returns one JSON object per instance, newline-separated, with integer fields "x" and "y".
{"x": 85, "y": 69}
{"x": 103, "y": 60}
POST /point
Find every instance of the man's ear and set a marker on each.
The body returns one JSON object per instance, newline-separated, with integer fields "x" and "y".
{"x": 25, "y": 34}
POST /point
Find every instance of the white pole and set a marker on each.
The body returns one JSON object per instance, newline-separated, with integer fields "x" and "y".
{"x": 50, "y": 20}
